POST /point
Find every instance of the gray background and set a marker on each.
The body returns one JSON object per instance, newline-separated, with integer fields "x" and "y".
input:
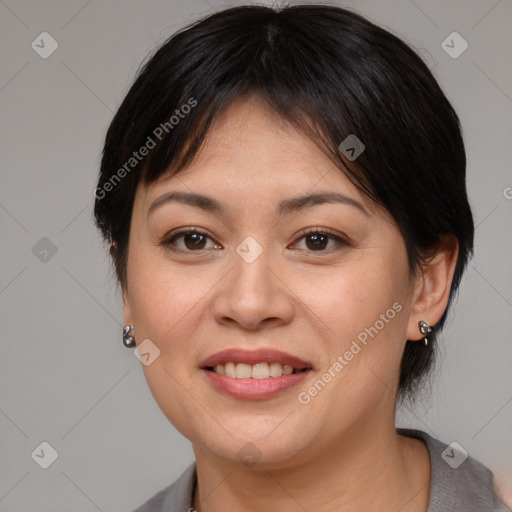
{"x": 65, "y": 377}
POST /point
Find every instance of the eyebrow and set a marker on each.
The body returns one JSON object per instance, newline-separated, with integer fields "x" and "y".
{"x": 204, "y": 202}
{"x": 299, "y": 203}
{"x": 284, "y": 207}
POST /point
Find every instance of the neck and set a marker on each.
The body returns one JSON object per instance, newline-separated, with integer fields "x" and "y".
{"x": 370, "y": 468}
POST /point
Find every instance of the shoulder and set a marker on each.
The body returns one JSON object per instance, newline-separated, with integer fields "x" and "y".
{"x": 175, "y": 497}
{"x": 458, "y": 481}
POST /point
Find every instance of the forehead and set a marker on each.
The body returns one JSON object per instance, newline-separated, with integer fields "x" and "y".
{"x": 250, "y": 133}
{"x": 252, "y": 152}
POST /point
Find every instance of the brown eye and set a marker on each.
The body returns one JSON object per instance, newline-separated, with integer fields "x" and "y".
{"x": 194, "y": 241}
{"x": 188, "y": 241}
{"x": 318, "y": 240}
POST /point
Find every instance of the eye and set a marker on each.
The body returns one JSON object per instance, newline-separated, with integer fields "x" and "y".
{"x": 316, "y": 240}
{"x": 192, "y": 240}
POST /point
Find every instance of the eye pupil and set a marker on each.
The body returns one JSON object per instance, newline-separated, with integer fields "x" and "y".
{"x": 197, "y": 240}
{"x": 319, "y": 241}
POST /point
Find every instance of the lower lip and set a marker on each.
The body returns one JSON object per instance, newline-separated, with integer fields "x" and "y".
{"x": 254, "y": 389}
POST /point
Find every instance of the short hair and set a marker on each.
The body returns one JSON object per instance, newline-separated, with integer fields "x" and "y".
{"x": 330, "y": 73}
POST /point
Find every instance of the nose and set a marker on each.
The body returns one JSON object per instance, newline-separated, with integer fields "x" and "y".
{"x": 253, "y": 295}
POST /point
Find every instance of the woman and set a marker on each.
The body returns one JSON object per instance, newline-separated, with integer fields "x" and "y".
{"x": 283, "y": 193}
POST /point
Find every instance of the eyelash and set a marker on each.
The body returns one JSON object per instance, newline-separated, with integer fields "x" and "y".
{"x": 167, "y": 241}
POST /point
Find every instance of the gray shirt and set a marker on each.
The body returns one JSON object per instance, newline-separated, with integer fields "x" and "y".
{"x": 457, "y": 484}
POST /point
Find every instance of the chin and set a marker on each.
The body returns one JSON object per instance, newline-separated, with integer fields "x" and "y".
{"x": 258, "y": 455}
{"x": 257, "y": 444}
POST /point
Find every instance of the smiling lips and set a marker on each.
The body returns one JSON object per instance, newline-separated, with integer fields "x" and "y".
{"x": 254, "y": 374}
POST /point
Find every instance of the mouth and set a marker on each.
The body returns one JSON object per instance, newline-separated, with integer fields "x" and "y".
{"x": 254, "y": 374}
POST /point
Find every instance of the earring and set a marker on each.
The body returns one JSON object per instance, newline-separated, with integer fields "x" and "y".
{"x": 424, "y": 329}
{"x": 128, "y": 339}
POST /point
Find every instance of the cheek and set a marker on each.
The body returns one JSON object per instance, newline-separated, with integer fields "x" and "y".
{"x": 363, "y": 313}
{"x": 347, "y": 301}
{"x": 167, "y": 307}
{"x": 163, "y": 296}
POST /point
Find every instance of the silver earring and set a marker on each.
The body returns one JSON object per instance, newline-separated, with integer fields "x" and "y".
{"x": 424, "y": 329}
{"x": 128, "y": 339}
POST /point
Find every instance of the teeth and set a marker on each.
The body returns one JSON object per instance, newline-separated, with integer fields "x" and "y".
{"x": 260, "y": 371}
{"x": 255, "y": 371}
{"x": 243, "y": 371}
{"x": 219, "y": 368}
{"x": 287, "y": 369}
{"x": 229, "y": 370}
{"x": 276, "y": 370}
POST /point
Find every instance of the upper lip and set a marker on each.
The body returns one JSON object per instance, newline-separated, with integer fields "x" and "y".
{"x": 262, "y": 355}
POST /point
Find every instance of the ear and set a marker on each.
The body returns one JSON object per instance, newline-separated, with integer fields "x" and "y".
{"x": 432, "y": 288}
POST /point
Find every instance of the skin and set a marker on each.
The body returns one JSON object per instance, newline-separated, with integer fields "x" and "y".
{"x": 340, "y": 451}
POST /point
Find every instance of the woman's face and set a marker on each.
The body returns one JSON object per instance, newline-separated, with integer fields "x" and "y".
{"x": 255, "y": 279}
